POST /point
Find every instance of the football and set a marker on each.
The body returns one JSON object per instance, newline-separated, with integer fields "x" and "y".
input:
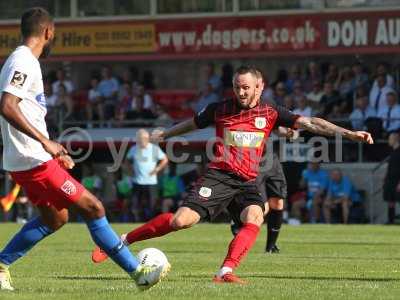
{"x": 153, "y": 257}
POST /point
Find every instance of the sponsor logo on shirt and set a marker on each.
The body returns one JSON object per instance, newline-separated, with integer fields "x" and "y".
{"x": 18, "y": 79}
{"x": 68, "y": 187}
{"x": 250, "y": 139}
{"x": 205, "y": 192}
{"x": 41, "y": 99}
{"x": 260, "y": 122}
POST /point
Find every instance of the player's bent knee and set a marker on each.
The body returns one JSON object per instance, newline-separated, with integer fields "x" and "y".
{"x": 90, "y": 207}
{"x": 275, "y": 203}
{"x": 185, "y": 218}
{"x": 252, "y": 214}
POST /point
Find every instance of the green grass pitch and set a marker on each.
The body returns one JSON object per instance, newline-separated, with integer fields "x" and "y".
{"x": 316, "y": 262}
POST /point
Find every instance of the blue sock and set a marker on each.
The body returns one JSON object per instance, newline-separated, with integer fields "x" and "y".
{"x": 29, "y": 235}
{"x": 108, "y": 241}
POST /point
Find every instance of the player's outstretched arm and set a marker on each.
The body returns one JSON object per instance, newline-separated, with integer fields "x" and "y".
{"x": 323, "y": 127}
{"x": 11, "y": 112}
{"x": 178, "y": 129}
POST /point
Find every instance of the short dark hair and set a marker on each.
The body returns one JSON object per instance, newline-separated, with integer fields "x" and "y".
{"x": 34, "y": 20}
{"x": 247, "y": 69}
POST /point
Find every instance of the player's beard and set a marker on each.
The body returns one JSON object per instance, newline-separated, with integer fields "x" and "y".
{"x": 249, "y": 102}
{"x": 46, "y": 50}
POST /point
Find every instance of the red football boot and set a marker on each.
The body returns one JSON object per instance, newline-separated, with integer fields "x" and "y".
{"x": 228, "y": 278}
{"x": 98, "y": 255}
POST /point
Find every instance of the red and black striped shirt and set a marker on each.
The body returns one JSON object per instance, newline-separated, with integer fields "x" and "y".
{"x": 241, "y": 134}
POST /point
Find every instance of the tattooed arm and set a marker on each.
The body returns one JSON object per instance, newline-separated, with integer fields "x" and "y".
{"x": 323, "y": 127}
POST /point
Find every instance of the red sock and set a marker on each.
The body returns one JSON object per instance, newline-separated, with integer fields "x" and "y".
{"x": 156, "y": 227}
{"x": 241, "y": 244}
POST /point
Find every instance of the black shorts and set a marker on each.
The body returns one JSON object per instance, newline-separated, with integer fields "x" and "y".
{"x": 271, "y": 182}
{"x": 271, "y": 179}
{"x": 216, "y": 189}
{"x": 389, "y": 193}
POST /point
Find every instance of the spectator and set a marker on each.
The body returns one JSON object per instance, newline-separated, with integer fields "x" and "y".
{"x": 332, "y": 74}
{"x": 316, "y": 182}
{"x": 360, "y": 77}
{"x": 377, "y": 95}
{"x": 61, "y": 80}
{"x": 361, "y": 113}
{"x": 267, "y": 94}
{"x": 294, "y": 75}
{"x": 124, "y": 108}
{"x": 51, "y": 100}
{"x": 280, "y": 93}
{"x": 340, "y": 192}
{"x": 302, "y": 108}
{"x": 108, "y": 89}
{"x": 227, "y": 75}
{"x": 142, "y": 104}
{"x": 390, "y": 114}
{"x": 329, "y": 100}
{"x": 64, "y": 102}
{"x": 91, "y": 181}
{"x": 313, "y": 75}
{"x": 208, "y": 96}
{"x": 95, "y": 102}
{"x": 391, "y": 186}
{"x": 171, "y": 189}
{"x": 345, "y": 83}
{"x": 298, "y": 92}
{"x": 288, "y": 102}
{"x": 315, "y": 95}
{"x": 382, "y": 69}
{"x": 213, "y": 79}
{"x": 147, "y": 161}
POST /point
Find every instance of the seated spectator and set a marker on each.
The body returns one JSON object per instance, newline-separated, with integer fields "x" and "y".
{"x": 207, "y": 97}
{"x": 125, "y": 103}
{"x": 361, "y": 113}
{"x": 288, "y": 102}
{"x": 329, "y": 100}
{"x": 142, "y": 105}
{"x": 280, "y": 93}
{"x": 213, "y": 79}
{"x": 69, "y": 86}
{"x": 294, "y": 76}
{"x": 316, "y": 182}
{"x": 64, "y": 102}
{"x": 390, "y": 115}
{"x": 332, "y": 74}
{"x": 302, "y": 108}
{"x": 360, "y": 77}
{"x": 95, "y": 102}
{"x": 108, "y": 89}
{"x": 171, "y": 189}
{"x": 315, "y": 95}
{"x": 345, "y": 83}
{"x": 91, "y": 181}
{"x": 267, "y": 93}
{"x": 341, "y": 192}
{"x": 377, "y": 95}
{"x": 382, "y": 70}
{"x": 227, "y": 75}
{"x": 312, "y": 75}
{"x": 298, "y": 92}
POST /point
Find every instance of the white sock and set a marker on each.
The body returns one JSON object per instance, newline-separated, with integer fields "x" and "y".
{"x": 223, "y": 271}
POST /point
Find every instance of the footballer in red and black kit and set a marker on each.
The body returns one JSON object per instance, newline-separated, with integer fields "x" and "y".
{"x": 241, "y": 135}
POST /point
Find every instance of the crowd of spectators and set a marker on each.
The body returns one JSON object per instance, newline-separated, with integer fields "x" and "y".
{"x": 356, "y": 96}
